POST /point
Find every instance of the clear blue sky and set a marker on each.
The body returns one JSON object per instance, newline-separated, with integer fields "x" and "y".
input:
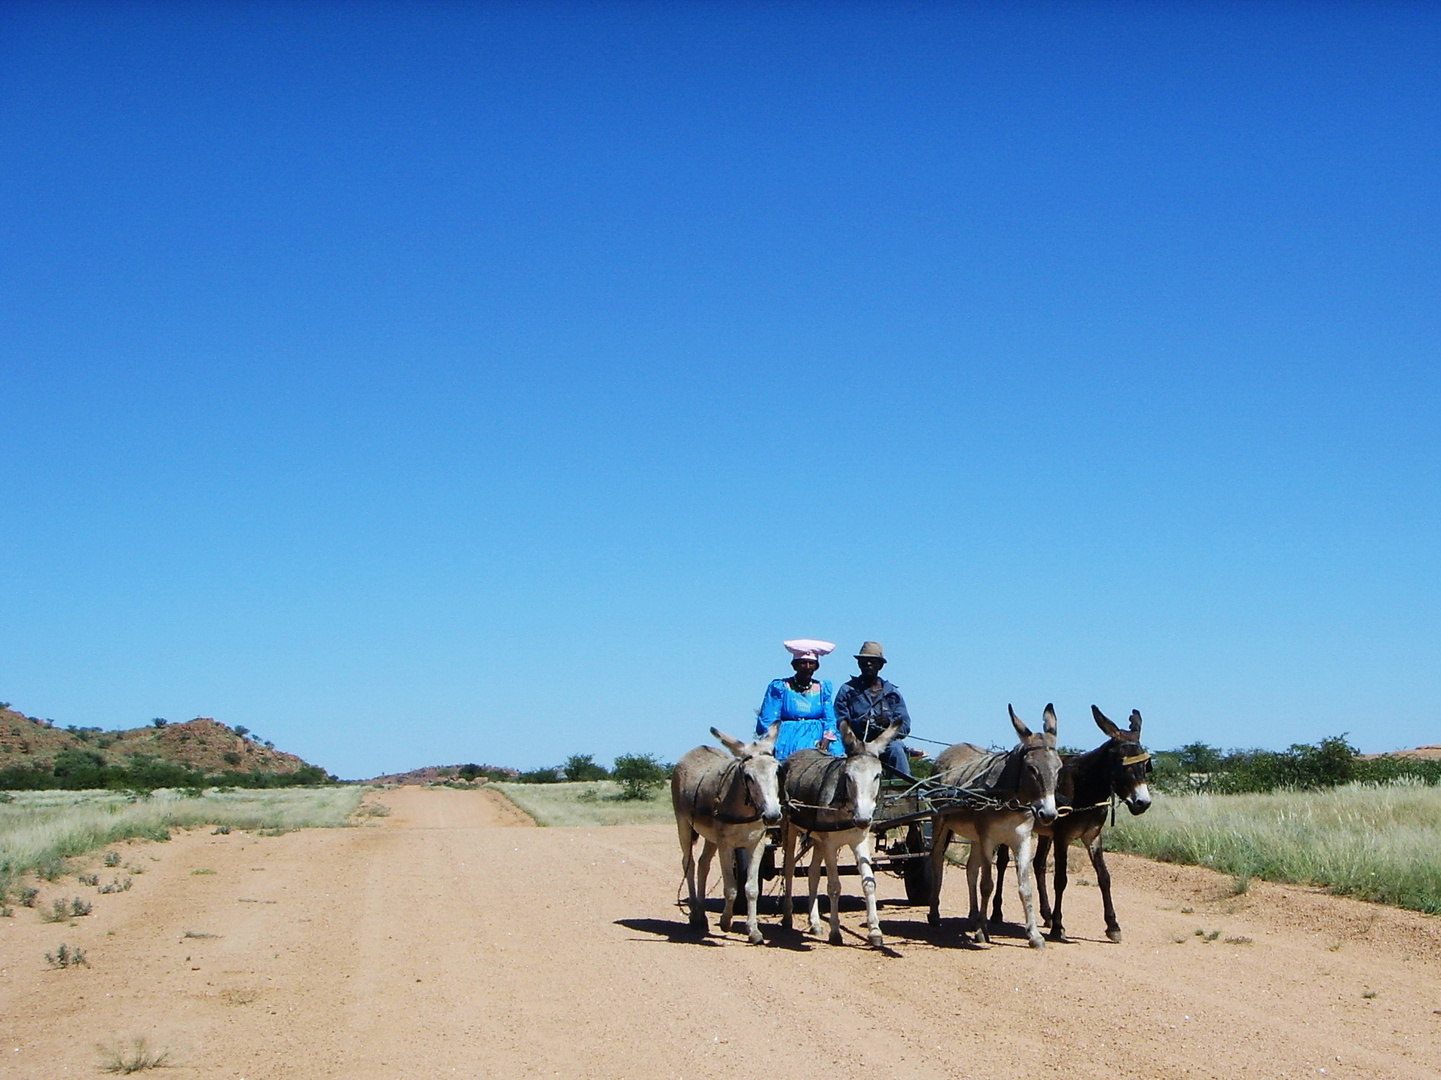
{"x": 421, "y": 385}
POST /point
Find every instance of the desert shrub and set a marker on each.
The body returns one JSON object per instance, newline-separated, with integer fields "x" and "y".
{"x": 136, "y": 1057}
{"x": 540, "y": 776}
{"x": 66, "y": 957}
{"x": 639, "y": 774}
{"x": 1198, "y": 768}
{"x": 582, "y": 767}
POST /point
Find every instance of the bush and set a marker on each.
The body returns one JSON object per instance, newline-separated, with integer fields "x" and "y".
{"x": 638, "y": 774}
{"x": 582, "y": 767}
{"x": 1198, "y": 768}
{"x": 549, "y": 775}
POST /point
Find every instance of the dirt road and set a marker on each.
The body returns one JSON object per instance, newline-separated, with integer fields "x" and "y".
{"x": 444, "y": 940}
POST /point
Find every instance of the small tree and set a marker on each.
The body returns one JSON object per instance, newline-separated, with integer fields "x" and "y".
{"x": 638, "y": 774}
{"x": 159, "y": 722}
{"x": 583, "y": 767}
{"x": 241, "y": 730}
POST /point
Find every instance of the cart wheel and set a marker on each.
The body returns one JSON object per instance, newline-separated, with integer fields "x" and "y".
{"x": 918, "y": 875}
{"x": 919, "y": 879}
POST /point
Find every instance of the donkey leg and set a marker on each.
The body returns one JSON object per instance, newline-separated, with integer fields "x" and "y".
{"x": 687, "y": 862}
{"x": 1003, "y": 855}
{"x": 1103, "y": 879}
{"x": 1063, "y": 877}
{"x": 1038, "y": 867}
{"x": 752, "y": 862}
{"x": 728, "y": 880}
{"x": 940, "y": 839}
{"x": 978, "y": 871}
{"x": 815, "y": 884}
{"x": 868, "y": 885}
{"x": 788, "y": 842}
{"x": 1024, "y": 851}
{"x": 833, "y": 889}
{"x": 702, "y": 874}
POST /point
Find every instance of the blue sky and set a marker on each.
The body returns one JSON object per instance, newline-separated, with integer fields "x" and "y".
{"x": 423, "y": 384}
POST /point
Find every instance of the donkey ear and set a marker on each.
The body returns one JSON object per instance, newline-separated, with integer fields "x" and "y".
{"x": 1049, "y": 725}
{"x": 881, "y": 741}
{"x": 1105, "y": 724}
{"x": 730, "y": 742}
{"x": 852, "y": 744}
{"x": 767, "y": 742}
{"x": 1019, "y": 724}
{"x": 1135, "y": 719}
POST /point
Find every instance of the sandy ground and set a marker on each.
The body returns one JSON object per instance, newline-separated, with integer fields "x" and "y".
{"x": 449, "y": 940}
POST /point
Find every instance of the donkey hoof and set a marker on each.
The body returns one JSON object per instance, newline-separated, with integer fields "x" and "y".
{"x": 877, "y": 939}
{"x": 1038, "y": 942}
{"x": 725, "y": 924}
{"x": 933, "y": 918}
{"x": 814, "y": 929}
{"x": 1059, "y": 935}
{"x": 756, "y": 938}
{"x": 1114, "y": 935}
{"x": 835, "y": 938}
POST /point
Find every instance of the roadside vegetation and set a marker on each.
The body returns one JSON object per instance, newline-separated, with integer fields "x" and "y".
{"x": 40, "y": 829}
{"x": 1379, "y": 842}
{"x": 596, "y": 802}
{"x": 1197, "y": 768}
{"x": 85, "y": 770}
{"x": 639, "y": 775}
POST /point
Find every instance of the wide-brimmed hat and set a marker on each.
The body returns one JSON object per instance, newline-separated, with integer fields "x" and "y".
{"x": 871, "y": 650}
{"x": 808, "y": 648}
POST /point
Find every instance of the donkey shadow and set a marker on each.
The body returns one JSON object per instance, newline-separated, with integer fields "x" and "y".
{"x": 680, "y": 932}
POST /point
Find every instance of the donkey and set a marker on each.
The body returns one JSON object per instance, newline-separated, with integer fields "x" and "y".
{"x": 833, "y": 800}
{"x": 1023, "y": 781}
{"x": 1089, "y": 781}
{"x": 729, "y": 802}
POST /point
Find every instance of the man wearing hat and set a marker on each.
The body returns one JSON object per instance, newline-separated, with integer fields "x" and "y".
{"x": 869, "y": 704}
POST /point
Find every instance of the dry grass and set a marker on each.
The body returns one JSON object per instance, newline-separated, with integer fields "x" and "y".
{"x": 1378, "y": 842}
{"x": 587, "y": 803}
{"x": 40, "y": 828}
{"x": 135, "y": 1057}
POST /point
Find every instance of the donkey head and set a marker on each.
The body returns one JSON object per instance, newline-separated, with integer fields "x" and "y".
{"x": 759, "y": 772}
{"x": 863, "y": 769}
{"x": 1040, "y": 766}
{"x": 1130, "y": 764}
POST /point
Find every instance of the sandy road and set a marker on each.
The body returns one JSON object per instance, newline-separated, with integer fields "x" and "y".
{"x": 441, "y": 941}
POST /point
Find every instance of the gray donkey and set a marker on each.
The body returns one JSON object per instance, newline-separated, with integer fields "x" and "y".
{"x": 728, "y": 800}
{"x": 1021, "y": 785}
{"x": 833, "y": 800}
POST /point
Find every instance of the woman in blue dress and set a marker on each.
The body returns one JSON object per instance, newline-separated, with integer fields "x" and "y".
{"x": 804, "y": 705}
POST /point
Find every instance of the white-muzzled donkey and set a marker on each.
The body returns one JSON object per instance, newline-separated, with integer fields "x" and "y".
{"x": 833, "y": 800}
{"x": 729, "y": 800}
{"x": 1021, "y": 785}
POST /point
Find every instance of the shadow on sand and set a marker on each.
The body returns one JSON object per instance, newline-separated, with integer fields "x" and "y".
{"x": 677, "y": 932}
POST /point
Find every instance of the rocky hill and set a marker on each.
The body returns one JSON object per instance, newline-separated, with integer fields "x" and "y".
{"x": 434, "y": 774}
{"x": 201, "y": 743}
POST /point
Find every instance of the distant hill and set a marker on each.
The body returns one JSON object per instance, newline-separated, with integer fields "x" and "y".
{"x": 433, "y": 774}
{"x": 1420, "y": 753}
{"x": 200, "y": 744}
